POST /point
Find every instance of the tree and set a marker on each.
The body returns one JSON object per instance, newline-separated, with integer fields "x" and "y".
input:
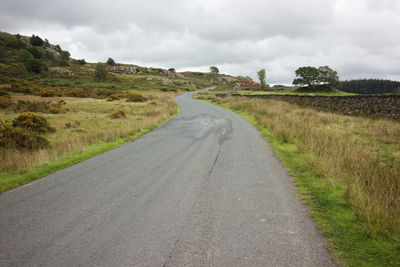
{"x": 214, "y": 70}
{"x": 110, "y": 61}
{"x": 35, "y": 40}
{"x": 261, "y": 76}
{"x": 100, "y": 72}
{"x": 328, "y": 76}
{"x": 310, "y": 77}
{"x": 81, "y": 61}
{"x": 65, "y": 55}
{"x": 172, "y": 70}
{"x": 306, "y": 76}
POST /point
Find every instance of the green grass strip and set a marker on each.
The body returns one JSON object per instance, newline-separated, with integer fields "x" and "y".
{"x": 348, "y": 243}
{"x": 9, "y": 181}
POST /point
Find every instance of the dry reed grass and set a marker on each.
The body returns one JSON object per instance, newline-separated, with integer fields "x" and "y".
{"x": 359, "y": 155}
{"x": 95, "y": 125}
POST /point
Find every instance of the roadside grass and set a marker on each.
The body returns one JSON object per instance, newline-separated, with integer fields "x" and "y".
{"x": 293, "y": 92}
{"x": 85, "y": 130}
{"x": 347, "y": 169}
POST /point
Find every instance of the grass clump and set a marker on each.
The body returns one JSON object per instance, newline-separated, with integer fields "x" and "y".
{"x": 119, "y": 114}
{"x": 6, "y": 101}
{"x": 135, "y": 97}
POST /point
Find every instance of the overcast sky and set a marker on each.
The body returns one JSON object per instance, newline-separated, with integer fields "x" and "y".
{"x": 358, "y": 38}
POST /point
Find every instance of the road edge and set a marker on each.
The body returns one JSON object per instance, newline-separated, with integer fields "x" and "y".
{"x": 348, "y": 244}
{"x": 93, "y": 150}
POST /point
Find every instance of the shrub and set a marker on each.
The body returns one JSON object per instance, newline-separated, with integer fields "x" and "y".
{"x": 73, "y": 125}
{"x": 44, "y": 106}
{"x": 80, "y": 62}
{"x": 3, "y": 53}
{"x": 4, "y": 93}
{"x": 10, "y": 40}
{"x": 100, "y": 72}
{"x": 58, "y": 48}
{"x": 33, "y": 65}
{"x": 113, "y": 97}
{"x": 119, "y": 114}
{"x": 20, "y": 138}
{"x": 5, "y": 101}
{"x": 24, "y": 55}
{"x": 75, "y": 92}
{"x": 49, "y": 93}
{"x": 172, "y": 70}
{"x": 65, "y": 55}
{"x": 36, "y": 40}
{"x": 36, "y": 53}
{"x": 110, "y": 61}
{"x": 134, "y": 97}
{"x": 19, "y": 88}
{"x": 33, "y": 122}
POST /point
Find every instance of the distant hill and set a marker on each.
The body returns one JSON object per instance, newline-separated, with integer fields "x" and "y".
{"x": 33, "y": 60}
{"x": 370, "y": 86}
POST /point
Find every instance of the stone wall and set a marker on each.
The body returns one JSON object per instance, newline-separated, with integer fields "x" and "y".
{"x": 379, "y": 106}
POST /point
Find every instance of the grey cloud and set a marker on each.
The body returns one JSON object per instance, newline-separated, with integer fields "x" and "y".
{"x": 359, "y": 38}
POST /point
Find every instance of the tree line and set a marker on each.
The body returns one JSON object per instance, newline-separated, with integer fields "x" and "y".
{"x": 370, "y": 86}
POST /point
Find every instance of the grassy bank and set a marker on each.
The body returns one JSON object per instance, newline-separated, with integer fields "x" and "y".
{"x": 85, "y": 129}
{"x": 347, "y": 169}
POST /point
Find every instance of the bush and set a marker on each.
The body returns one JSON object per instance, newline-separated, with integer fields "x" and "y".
{"x": 35, "y": 52}
{"x": 44, "y": 106}
{"x": 4, "y": 93}
{"x": 73, "y": 125}
{"x": 113, "y": 97}
{"x": 49, "y": 93}
{"x": 134, "y": 97}
{"x": 119, "y": 114}
{"x": 5, "y": 101}
{"x": 75, "y": 92}
{"x": 20, "y": 138}
{"x": 36, "y": 40}
{"x": 110, "y": 61}
{"x": 19, "y": 88}
{"x": 65, "y": 55}
{"x": 33, "y": 65}
{"x": 80, "y": 62}
{"x": 24, "y": 55}
{"x": 11, "y": 41}
{"x": 100, "y": 72}
{"x": 32, "y": 122}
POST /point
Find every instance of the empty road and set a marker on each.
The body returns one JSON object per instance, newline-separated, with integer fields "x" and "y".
{"x": 203, "y": 190}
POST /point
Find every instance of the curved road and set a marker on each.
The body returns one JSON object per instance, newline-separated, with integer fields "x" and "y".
{"x": 204, "y": 190}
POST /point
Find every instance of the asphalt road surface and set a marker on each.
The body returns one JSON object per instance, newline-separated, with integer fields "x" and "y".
{"x": 203, "y": 190}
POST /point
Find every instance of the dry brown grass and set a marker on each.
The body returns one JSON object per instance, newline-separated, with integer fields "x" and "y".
{"x": 358, "y": 154}
{"x": 87, "y": 122}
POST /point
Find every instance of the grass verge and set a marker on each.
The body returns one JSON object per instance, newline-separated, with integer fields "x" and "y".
{"x": 12, "y": 180}
{"x": 349, "y": 243}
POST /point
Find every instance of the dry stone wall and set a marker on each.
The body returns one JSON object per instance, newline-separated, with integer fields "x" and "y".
{"x": 378, "y": 106}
